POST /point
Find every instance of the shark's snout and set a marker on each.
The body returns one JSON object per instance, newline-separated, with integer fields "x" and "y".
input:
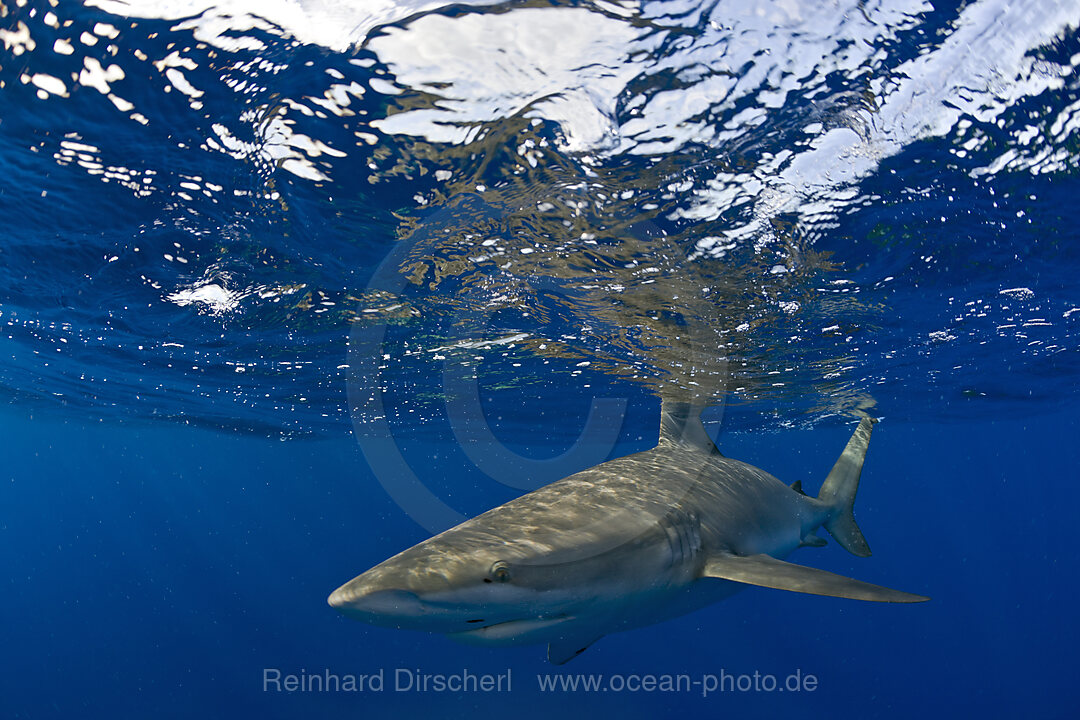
{"x": 374, "y": 602}
{"x": 397, "y": 596}
{"x": 378, "y": 599}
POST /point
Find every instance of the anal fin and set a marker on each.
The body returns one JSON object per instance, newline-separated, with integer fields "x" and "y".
{"x": 767, "y": 571}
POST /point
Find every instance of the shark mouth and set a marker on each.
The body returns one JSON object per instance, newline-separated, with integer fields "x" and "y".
{"x": 513, "y": 632}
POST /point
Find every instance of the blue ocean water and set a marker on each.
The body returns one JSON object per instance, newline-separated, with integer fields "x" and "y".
{"x": 287, "y": 286}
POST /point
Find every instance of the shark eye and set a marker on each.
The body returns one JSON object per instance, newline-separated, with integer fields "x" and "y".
{"x": 500, "y": 572}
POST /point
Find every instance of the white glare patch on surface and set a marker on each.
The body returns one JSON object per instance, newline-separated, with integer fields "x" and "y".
{"x": 1019, "y": 293}
{"x": 335, "y": 24}
{"x": 567, "y": 65}
{"x": 211, "y": 298}
{"x": 95, "y": 76}
{"x": 49, "y": 84}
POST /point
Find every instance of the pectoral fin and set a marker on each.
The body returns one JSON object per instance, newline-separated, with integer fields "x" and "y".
{"x": 565, "y": 649}
{"x": 767, "y": 571}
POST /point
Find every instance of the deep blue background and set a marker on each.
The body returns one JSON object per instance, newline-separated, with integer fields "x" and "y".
{"x": 156, "y": 570}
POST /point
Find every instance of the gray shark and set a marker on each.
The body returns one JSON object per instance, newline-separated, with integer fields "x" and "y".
{"x": 624, "y": 544}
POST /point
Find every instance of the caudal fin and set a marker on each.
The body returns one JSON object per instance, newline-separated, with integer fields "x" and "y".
{"x": 838, "y": 492}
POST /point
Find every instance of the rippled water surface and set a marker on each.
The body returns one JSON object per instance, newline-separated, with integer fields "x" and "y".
{"x": 854, "y": 204}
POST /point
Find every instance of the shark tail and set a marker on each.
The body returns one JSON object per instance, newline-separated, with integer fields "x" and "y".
{"x": 838, "y": 492}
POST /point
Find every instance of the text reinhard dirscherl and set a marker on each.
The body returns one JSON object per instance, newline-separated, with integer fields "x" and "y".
{"x": 400, "y": 680}
{"x": 404, "y": 680}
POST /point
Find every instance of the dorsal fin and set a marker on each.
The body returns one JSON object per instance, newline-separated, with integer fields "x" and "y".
{"x": 797, "y": 487}
{"x": 680, "y": 422}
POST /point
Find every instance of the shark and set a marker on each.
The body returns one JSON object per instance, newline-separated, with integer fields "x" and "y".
{"x": 624, "y": 544}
